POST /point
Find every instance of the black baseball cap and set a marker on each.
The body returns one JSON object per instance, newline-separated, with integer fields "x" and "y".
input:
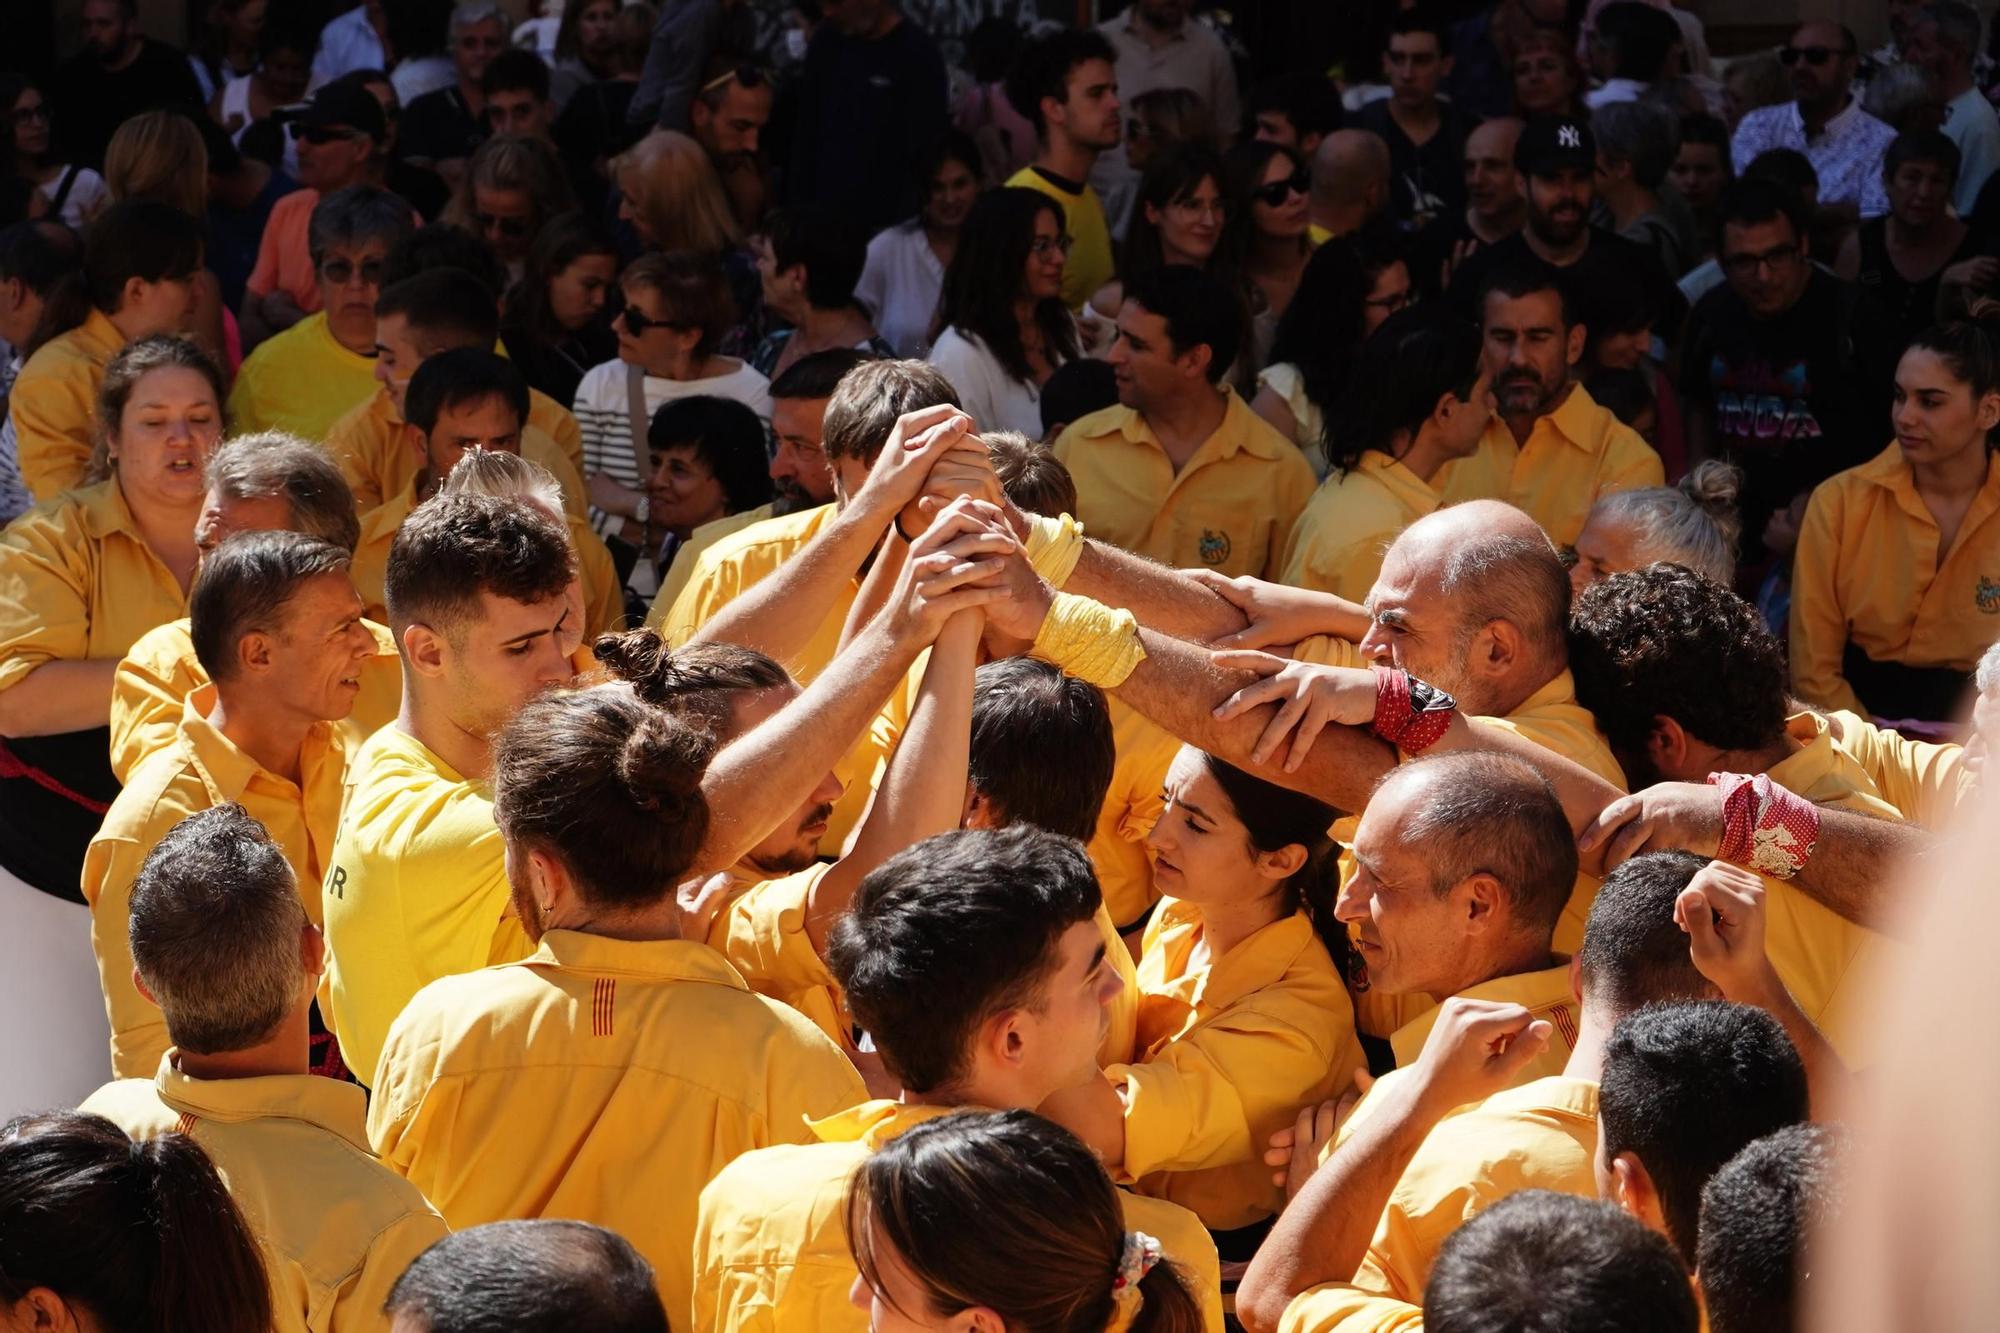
{"x": 343, "y": 105}
{"x": 1550, "y": 143}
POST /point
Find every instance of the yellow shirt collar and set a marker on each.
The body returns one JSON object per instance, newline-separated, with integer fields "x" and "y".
{"x": 1253, "y": 965}
{"x": 1580, "y": 421}
{"x": 1889, "y": 471}
{"x": 1530, "y": 990}
{"x": 103, "y": 510}
{"x": 328, "y": 1104}
{"x": 1819, "y": 770}
{"x": 224, "y": 767}
{"x": 1236, "y": 434}
{"x": 660, "y": 960}
{"x": 1559, "y": 692}
{"x": 1405, "y": 486}
{"x": 874, "y": 1123}
{"x": 99, "y": 335}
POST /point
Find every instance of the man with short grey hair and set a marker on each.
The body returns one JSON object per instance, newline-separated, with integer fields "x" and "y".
{"x": 222, "y": 945}
{"x": 441, "y": 129}
{"x": 1944, "y": 42}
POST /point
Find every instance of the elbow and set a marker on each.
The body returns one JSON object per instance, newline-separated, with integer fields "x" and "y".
{"x": 1260, "y": 1302}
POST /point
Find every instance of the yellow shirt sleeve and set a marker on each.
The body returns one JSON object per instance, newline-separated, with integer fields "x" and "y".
{"x": 357, "y": 1304}
{"x": 1818, "y": 622}
{"x": 1340, "y": 1308}
{"x": 146, "y": 697}
{"x": 763, "y": 935}
{"x": 1925, "y": 782}
{"x": 138, "y": 1028}
{"x": 603, "y": 594}
{"x": 53, "y": 409}
{"x": 45, "y": 583}
{"x": 559, "y": 424}
{"x": 537, "y": 447}
{"x": 1296, "y": 484}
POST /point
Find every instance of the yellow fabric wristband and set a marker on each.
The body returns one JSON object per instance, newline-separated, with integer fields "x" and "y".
{"x": 1090, "y": 641}
{"x": 1054, "y": 546}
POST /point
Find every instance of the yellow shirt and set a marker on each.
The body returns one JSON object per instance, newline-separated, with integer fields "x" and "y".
{"x": 685, "y": 555}
{"x": 1340, "y": 1308}
{"x": 1131, "y": 807}
{"x": 770, "y": 1247}
{"x": 1926, "y": 782}
{"x": 1348, "y": 524}
{"x": 159, "y": 672}
{"x": 1573, "y": 455}
{"x": 369, "y": 444}
{"x": 1229, "y": 1053}
{"x": 603, "y": 595}
{"x": 1230, "y": 508}
{"x": 1089, "y": 265}
{"x": 1869, "y": 572}
{"x": 602, "y": 1080}
{"x": 1826, "y": 961}
{"x": 200, "y": 769}
{"x": 336, "y": 1226}
{"x": 77, "y": 581}
{"x": 300, "y": 381}
{"x": 54, "y": 405}
{"x": 418, "y": 890}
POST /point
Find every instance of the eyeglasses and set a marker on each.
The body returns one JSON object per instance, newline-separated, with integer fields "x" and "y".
{"x": 1743, "y": 266}
{"x": 1278, "y": 191}
{"x": 639, "y": 324}
{"x": 1041, "y": 245}
{"x": 28, "y": 115}
{"x": 323, "y": 134}
{"x": 1393, "y": 302}
{"x": 1814, "y": 56}
{"x": 514, "y": 228}
{"x": 340, "y": 272}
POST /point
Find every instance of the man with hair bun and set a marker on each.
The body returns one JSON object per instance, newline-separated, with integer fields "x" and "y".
{"x": 277, "y": 629}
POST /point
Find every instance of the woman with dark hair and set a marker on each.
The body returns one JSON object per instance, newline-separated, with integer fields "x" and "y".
{"x": 103, "y": 1234}
{"x": 73, "y": 193}
{"x": 1178, "y": 217}
{"x": 1269, "y": 221}
{"x": 904, "y": 274}
{"x": 1911, "y": 254}
{"x": 1427, "y": 400}
{"x": 1248, "y": 876}
{"x": 1002, "y": 326}
{"x": 554, "y": 327}
{"x": 1893, "y": 591}
{"x": 708, "y": 462}
{"x": 1350, "y": 287}
{"x": 1052, "y": 1251}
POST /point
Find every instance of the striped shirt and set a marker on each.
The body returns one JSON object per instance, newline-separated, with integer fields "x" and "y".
{"x": 603, "y": 413}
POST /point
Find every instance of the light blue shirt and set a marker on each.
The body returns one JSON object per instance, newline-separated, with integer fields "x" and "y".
{"x": 1969, "y": 121}
{"x": 347, "y": 44}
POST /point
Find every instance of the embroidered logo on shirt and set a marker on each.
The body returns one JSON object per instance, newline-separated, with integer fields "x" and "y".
{"x": 603, "y": 1006}
{"x": 1988, "y": 596}
{"x": 1214, "y": 547}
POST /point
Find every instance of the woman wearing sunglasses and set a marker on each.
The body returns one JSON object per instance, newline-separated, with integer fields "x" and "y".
{"x": 1271, "y": 222}
{"x": 1002, "y": 326}
{"x": 511, "y": 189}
{"x": 74, "y": 194}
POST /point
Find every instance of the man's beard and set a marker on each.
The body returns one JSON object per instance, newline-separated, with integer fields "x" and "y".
{"x": 797, "y": 856}
{"x": 1514, "y": 407}
{"x": 788, "y": 497}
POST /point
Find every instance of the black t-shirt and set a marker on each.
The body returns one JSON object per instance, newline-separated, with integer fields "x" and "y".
{"x": 1790, "y": 400}
{"x": 439, "y": 126}
{"x": 1606, "y": 247}
{"x": 90, "y": 102}
{"x": 1427, "y": 180}
{"x": 868, "y": 110}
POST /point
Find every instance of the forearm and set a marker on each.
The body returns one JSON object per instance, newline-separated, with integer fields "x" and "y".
{"x": 1856, "y": 855}
{"x": 767, "y": 616}
{"x": 876, "y": 585}
{"x": 1826, "y": 1075}
{"x": 58, "y": 697}
{"x": 776, "y": 766}
{"x": 1582, "y": 793}
{"x": 1163, "y": 599}
{"x": 1324, "y": 1234}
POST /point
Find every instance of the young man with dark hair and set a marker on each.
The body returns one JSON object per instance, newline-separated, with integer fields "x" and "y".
{"x": 438, "y": 310}
{"x": 810, "y": 260}
{"x": 1295, "y": 110}
{"x": 1550, "y": 449}
{"x": 1182, "y": 471}
{"x": 516, "y": 85}
{"x": 442, "y": 128}
{"x": 222, "y": 947}
{"x": 547, "y": 1275}
{"x": 1758, "y": 1215}
{"x": 1540, "y": 1259}
{"x": 1425, "y": 134}
{"x": 1785, "y": 369}
{"x": 416, "y": 888}
{"x": 276, "y": 626}
{"x": 974, "y": 961}
{"x": 1065, "y": 83}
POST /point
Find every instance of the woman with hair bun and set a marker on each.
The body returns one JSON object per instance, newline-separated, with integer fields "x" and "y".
{"x": 1002, "y": 1220}
{"x": 100, "y": 1233}
{"x": 1896, "y": 581}
{"x": 1693, "y": 523}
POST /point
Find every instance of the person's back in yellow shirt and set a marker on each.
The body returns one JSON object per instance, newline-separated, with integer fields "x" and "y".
{"x": 54, "y": 405}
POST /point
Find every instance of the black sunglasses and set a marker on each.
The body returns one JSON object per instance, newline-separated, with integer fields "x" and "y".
{"x": 1812, "y": 55}
{"x": 322, "y": 134}
{"x": 639, "y": 324}
{"x": 1277, "y": 192}
{"x": 340, "y": 272}
{"x": 510, "y": 227}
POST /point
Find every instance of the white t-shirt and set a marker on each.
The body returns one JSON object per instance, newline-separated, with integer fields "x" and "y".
{"x": 603, "y": 415}
{"x": 88, "y": 194}
{"x": 994, "y": 399}
{"x": 900, "y": 286}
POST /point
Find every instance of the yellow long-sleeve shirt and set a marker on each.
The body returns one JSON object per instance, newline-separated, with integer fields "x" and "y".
{"x": 1926, "y": 782}
{"x": 54, "y": 405}
{"x": 599, "y": 1079}
{"x": 1572, "y": 456}
{"x": 1348, "y": 524}
{"x": 202, "y": 768}
{"x": 159, "y": 672}
{"x": 336, "y": 1226}
{"x": 1869, "y": 571}
{"x": 1229, "y": 508}
{"x": 770, "y": 1245}
{"x": 368, "y": 442}
{"x": 1226, "y": 1055}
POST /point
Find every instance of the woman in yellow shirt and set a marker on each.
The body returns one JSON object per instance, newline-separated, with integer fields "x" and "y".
{"x": 1427, "y": 401}
{"x": 1896, "y": 582}
{"x": 1243, "y": 1014}
{"x": 1692, "y": 523}
{"x": 81, "y": 578}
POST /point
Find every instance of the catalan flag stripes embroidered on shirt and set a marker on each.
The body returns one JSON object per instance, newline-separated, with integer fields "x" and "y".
{"x": 1565, "y": 1020}
{"x": 603, "y": 1002}
{"x": 186, "y": 1124}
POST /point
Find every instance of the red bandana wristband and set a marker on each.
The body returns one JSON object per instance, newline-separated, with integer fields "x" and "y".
{"x": 1399, "y": 721}
{"x": 1764, "y": 827}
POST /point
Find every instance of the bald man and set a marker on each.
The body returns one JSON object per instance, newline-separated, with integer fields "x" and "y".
{"x": 1494, "y": 208}
{"x": 1350, "y": 183}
